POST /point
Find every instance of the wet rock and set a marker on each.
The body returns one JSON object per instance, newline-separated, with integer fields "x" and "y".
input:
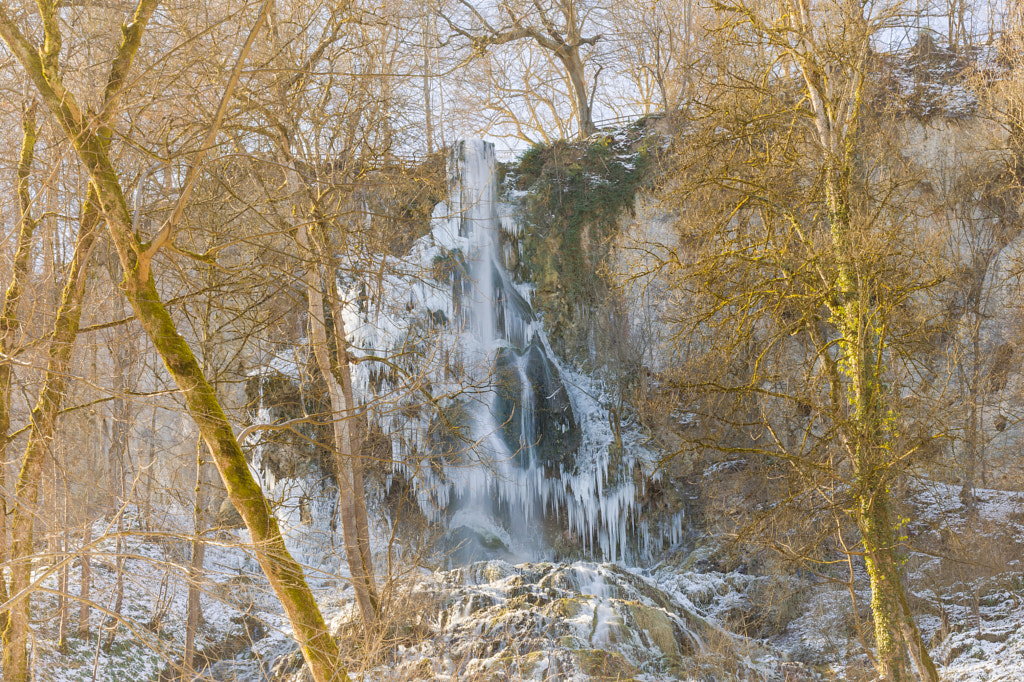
{"x": 448, "y": 434}
{"x": 467, "y": 544}
{"x": 548, "y": 436}
{"x": 558, "y": 435}
{"x": 513, "y": 315}
{"x": 655, "y": 626}
{"x": 509, "y": 389}
{"x": 286, "y": 454}
{"x": 227, "y": 516}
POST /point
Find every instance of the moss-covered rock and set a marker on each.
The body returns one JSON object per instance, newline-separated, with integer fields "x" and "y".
{"x": 533, "y": 665}
{"x": 659, "y": 630}
{"x": 565, "y": 608}
{"x": 576, "y": 192}
{"x": 598, "y": 664}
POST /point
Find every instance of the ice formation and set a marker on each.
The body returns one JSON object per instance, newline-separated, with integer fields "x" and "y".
{"x": 500, "y": 440}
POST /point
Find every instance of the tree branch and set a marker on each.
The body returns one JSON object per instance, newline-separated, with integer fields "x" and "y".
{"x": 131, "y": 37}
{"x": 167, "y": 230}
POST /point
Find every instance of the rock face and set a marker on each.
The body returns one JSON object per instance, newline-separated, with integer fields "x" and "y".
{"x": 275, "y": 396}
{"x": 583, "y": 621}
{"x": 534, "y": 411}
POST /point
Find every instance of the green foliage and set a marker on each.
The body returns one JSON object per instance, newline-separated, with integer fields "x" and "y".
{"x": 576, "y": 193}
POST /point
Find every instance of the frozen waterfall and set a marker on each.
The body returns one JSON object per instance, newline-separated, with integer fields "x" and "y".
{"x": 505, "y": 446}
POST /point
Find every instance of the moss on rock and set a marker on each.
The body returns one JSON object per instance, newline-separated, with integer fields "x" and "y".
{"x": 598, "y": 664}
{"x": 576, "y": 192}
{"x": 659, "y": 629}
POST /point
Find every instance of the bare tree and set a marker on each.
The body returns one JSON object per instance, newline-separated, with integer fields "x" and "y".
{"x": 792, "y": 214}
{"x": 92, "y": 145}
{"x": 657, "y": 51}
{"x": 559, "y": 27}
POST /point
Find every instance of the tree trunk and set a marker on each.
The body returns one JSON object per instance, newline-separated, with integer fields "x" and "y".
{"x": 972, "y": 435}
{"x": 194, "y": 613}
{"x": 570, "y": 58}
{"x": 886, "y": 588}
{"x": 118, "y": 456}
{"x": 355, "y": 460}
{"x": 194, "y": 610}
{"x": 868, "y": 437}
{"x": 115, "y": 613}
{"x": 147, "y": 500}
{"x": 915, "y": 643}
{"x": 896, "y": 634}
{"x": 62, "y": 602}
{"x": 9, "y": 324}
{"x": 338, "y": 377}
{"x": 85, "y": 583}
{"x": 347, "y": 465}
{"x": 428, "y": 108}
{"x": 44, "y": 419}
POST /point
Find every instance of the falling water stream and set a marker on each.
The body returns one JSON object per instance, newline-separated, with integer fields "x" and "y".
{"x": 533, "y": 454}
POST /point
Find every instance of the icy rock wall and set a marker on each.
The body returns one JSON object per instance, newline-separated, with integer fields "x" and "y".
{"x": 295, "y": 480}
{"x": 502, "y": 443}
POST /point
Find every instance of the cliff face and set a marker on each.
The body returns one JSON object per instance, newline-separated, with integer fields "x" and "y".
{"x": 977, "y": 312}
{"x": 967, "y": 215}
{"x": 567, "y": 333}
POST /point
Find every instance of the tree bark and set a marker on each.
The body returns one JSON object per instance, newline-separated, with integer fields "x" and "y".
{"x": 117, "y": 454}
{"x": 344, "y": 368}
{"x": 85, "y": 582}
{"x": 570, "y": 58}
{"x": 858, "y": 375}
{"x": 62, "y": 603}
{"x": 868, "y": 437}
{"x": 115, "y": 613}
{"x": 347, "y": 464}
{"x": 193, "y": 612}
{"x": 43, "y": 426}
{"x": 428, "y": 108}
{"x": 886, "y": 588}
{"x": 9, "y": 324}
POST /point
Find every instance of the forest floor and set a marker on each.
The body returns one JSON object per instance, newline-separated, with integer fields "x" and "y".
{"x": 568, "y": 621}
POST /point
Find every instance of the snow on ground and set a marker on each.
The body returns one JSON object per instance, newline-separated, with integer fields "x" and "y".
{"x": 977, "y": 589}
{"x": 495, "y": 620}
{"x": 991, "y": 645}
{"x": 151, "y": 630}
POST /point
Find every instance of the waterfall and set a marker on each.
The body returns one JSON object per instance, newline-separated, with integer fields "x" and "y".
{"x": 512, "y": 452}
